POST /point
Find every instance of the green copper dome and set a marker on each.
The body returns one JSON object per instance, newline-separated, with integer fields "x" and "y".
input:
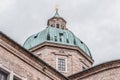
{"x": 56, "y": 35}
{"x": 56, "y": 32}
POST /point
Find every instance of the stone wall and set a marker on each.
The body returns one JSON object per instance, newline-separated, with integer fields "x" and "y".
{"x": 19, "y": 67}
{"x": 105, "y": 71}
{"x": 18, "y": 62}
{"x": 75, "y": 60}
{"x": 111, "y": 74}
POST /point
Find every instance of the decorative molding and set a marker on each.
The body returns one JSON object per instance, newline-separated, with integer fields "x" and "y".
{"x": 67, "y": 55}
{"x": 49, "y": 44}
{"x": 95, "y": 70}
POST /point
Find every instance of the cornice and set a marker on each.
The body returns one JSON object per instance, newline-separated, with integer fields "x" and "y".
{"x": 96, "y": 69}
{"x": 44, "y": 44}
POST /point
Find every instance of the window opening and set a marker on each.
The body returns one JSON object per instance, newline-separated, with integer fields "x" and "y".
{"x": 57, "y": 25}
{"x": 51, "y": 25}
{"x": 3, "y": 75}
{"x": 74, "y": 42}
{"x": 48, "y": 36}
{"x": 81, "y": 42}
{"x": 60, "y": 39}
{"x": 61, "y": 34}
{"x": 55, "y": 38}
{"x": 67, "y": 40}
{"x": 61, "y": 65}
{"x": 36, "y": 36}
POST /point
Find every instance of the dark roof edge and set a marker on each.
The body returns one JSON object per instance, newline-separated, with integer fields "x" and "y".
{"x": 95, "y": 69}
{"x": 44, "y": 63}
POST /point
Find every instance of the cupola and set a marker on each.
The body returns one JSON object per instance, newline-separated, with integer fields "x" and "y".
{"x": 57, "y": 21}
{"x": 56, "y": 32}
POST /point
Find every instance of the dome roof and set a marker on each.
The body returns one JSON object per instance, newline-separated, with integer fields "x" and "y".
{"x": 56, "y": 35}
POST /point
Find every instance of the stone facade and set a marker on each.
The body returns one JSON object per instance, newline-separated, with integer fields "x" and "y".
{"x": 60, "y": 48}
{"x": 18, "y": 62}
{"x": 76, "y": 60}
{"x": 60, "y": 55}
{"x": 111, "y": 74}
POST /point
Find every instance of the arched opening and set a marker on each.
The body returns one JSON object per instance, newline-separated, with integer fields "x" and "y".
{"x": 57, "y": 25}
{"x": 48, "y": 36}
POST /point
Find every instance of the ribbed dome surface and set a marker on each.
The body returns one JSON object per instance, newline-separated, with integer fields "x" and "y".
{"x": 56, "y": 35}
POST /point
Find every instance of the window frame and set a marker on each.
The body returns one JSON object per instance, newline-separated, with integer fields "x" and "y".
{"x": 3, "y": 75}
{"x": 5, "y": 72}
{"x": 57, "y": 59}
{"x": 10, "y": 74}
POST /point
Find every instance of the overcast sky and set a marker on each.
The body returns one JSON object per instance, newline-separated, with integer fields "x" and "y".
{"x": 95, "y": 22}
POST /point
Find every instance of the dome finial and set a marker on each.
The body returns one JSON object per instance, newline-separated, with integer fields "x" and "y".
{"x": 56, "y": 8}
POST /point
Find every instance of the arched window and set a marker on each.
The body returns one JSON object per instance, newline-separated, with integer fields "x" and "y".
{"x": 60, "y": 39}
{"x": 67, "y": 40}
{"x": 48, "y": 36}
{"x": 55, "y": 38}
{"x": 57, "y": 25}
{"x": 74, "y": 42}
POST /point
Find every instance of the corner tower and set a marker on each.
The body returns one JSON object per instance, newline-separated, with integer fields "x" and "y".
{"x": 60, "y": 48}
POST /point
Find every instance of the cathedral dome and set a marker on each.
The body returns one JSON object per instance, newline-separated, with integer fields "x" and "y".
{"x": 56, "y": 32}
{"x": 55, "y": 35}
